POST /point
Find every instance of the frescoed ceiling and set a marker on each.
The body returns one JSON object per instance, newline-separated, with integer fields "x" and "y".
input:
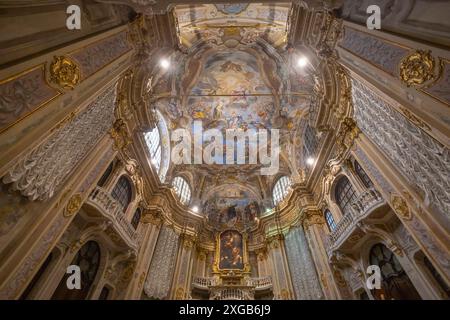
{"x": 232, "y": 23}
{"x": 235, "y": 73}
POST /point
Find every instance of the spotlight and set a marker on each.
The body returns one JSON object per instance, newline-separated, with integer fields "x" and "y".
{"x": 302, "y": 61}
{"x": 195, "y": 209}
{"x": 164, "y": 63}
{"x": 310, "y": 161}
{"x": 153, "y": 161}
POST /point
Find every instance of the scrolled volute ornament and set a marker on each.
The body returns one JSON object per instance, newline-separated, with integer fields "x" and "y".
{"x": 417, "y": 68}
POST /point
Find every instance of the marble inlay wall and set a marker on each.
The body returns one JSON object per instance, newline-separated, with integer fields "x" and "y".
{"x": 303, "y": 272}
{"x": 162, "y": 266}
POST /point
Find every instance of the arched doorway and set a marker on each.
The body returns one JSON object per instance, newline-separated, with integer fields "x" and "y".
{"x": 88, "y": 259}
{"x": 395, "y": 283}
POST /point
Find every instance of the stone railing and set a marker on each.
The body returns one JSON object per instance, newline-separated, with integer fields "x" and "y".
{"x": 360, "y": 208}
{"x": 225, "y": 293}
{"x": 111, "y": 209}
{"x": 260, "y": 283}
{"x": 204, "y": 282}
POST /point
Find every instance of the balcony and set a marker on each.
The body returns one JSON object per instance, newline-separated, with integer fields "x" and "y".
{"x": 367, "y": 203}
{"x": 204, "y": 283}
{"x": 110, "y": 209}
{"x": 235, "y": 293}
{"x": 262, "y": 283}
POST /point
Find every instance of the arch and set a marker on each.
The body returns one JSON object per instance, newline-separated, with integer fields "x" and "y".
{"x": 88, "y": 259}
{"x": 344, "y": 194}
{"x": 123, "y": 192}
{"x": 182, "y": 189}
{"x": 395, "y": 283}
{"x": 281, "y": 189}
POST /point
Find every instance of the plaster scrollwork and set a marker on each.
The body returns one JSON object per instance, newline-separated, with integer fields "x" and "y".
{"x": 423, "y": 161}
{"x": 41, "y": 172}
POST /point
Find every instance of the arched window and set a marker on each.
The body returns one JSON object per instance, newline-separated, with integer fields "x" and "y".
{"x": 363, "y": 175}
{"x": 281, "y": 189}
{"x": 105, "y": 175}
{"x": 311, "y": 142}
{"x": 88, "y": 259}
{"x": 330, "y": 220}
{"x": 136, "y": 218}
{"x": 182, "y": 189}
{"x": 395, "y": 282}
{"x": 122, "y": 192}
{"x": 157, "y": 141}
{"x": 345, "y": 194}
{"x": 153, "y": 140}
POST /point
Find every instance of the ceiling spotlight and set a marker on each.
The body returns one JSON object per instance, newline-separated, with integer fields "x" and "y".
{"x": 195, "y": 209}
{"x": 310, "y": 161}
{"x": 302, "y": 61}
{"x": 153, "y": 161}
{"x": 164, "y": 63}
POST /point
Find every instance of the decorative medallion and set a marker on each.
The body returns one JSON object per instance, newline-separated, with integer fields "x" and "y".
{"x": 64, "y": 72}
{"x": 417, "y": 68}
{"x": 231, "y": 8}
{"x": 401, "y": 207}
{"x": 73, "y": 205}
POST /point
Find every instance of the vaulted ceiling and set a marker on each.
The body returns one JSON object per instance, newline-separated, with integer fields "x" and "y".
{"x": 233, "y": 70}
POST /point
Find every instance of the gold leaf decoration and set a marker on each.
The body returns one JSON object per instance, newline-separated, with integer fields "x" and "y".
{"x": 73, "y": 205}
{"x": 64, "y": 72}
{"x": 401, "y": 207}
{"x": 417, "y": 68}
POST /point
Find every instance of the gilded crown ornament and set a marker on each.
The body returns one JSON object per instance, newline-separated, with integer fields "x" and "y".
{"x": 417, "y": 68}
{"x": 65, "y": 72}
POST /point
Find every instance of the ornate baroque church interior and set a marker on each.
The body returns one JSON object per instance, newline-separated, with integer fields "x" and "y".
{"x": 93, "y": 176}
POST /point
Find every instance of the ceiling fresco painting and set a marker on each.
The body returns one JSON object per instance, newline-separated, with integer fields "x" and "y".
{"x": 229, "y": 23}
{"x": 233, "y": 74}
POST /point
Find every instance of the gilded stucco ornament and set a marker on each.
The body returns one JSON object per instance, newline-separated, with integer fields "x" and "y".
{"x": 65, "y": 72}
{"x": 120, "y": 135}
{"x": 73, "y": 205}
{"x": 417, "y": 68}
{"x": 401, "y": 207}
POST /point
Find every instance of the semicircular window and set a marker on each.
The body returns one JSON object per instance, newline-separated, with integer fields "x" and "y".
{"x": 281, "y": 189}
{"x": 182, "y": 189}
